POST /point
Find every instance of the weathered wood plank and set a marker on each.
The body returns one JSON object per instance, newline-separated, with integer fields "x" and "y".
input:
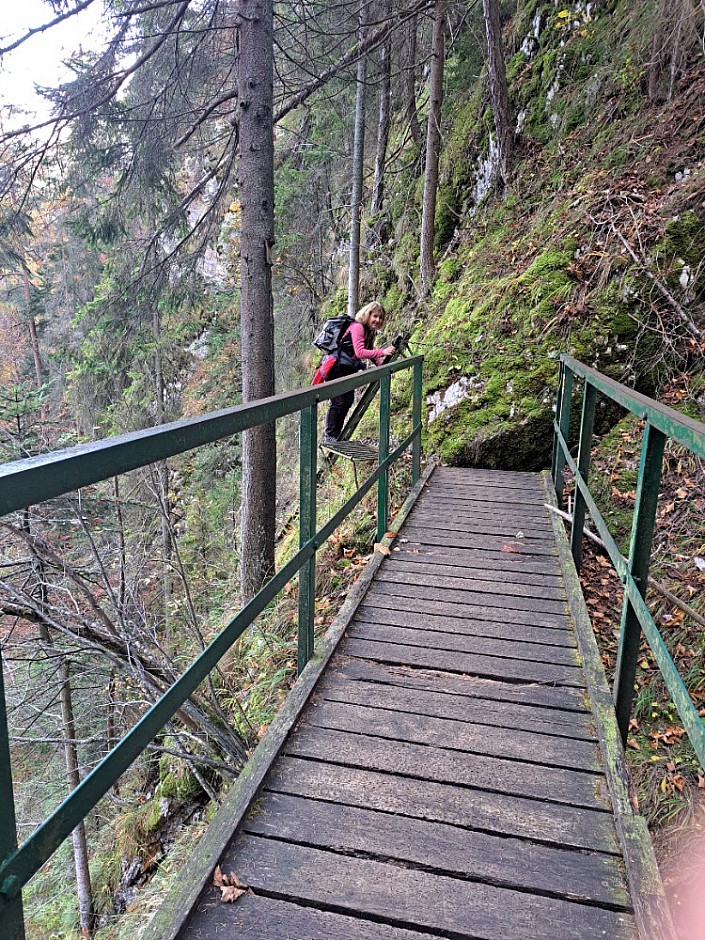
{"x": 484, "y": 590}
{"x": 336, "y": 688}
{"x": 472, "y": 505}
{"x": 414, "y": 899}
{"x": 497, "y": 528}
{"x": 430, "y": 536}
{"x": 431, "y": 563}
{"x": 440, "y": 847}
{"x": 537, "y": 694}
{"x": 492, "y": 667}
{"x": 256, "y": 917}
{"x": 487, "y": 495}
{"x": 499, "y": 813}
{"x": 473, "y": 502}
{"x": 493, "y": 523}
{"x": 509, "y": 743}
{"x": 380, "y": 595}
{"x": 477, "y": 628}
{"x": 370, "y": 628}
{"x": 423, "y": 762}
{"x": 470, "y": 476}
{"x": 510, "y": 487}
{"x": 499, "y": 560}
{"x": 397, "y": 574}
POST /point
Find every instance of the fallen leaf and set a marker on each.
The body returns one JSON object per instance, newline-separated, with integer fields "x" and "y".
{"x": 231, "y": 888}
{"x": 510, "y": 548}
{"x": 382, "y": 549}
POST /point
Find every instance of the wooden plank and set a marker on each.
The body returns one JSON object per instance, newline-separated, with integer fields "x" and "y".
{"x": 489, "y": 495}
{"x": 492, "y": 522}
{"x": 429, "y": 536}
{"x": 398, "y": 574}
{"x": 381, "y": 596}
{"x": 543, "y": 696}
{"x": 336, "y": 688}
{"x": 414, "y": 899}
{"x": 372, "y": 629}
{"x": 491, "y": 667}
{"x": 423, "y": 762}
{"x": 499, "y": 813}
{"x": 482, "y": 503}
{"x": 488, "y": 524}
{"x": 509, "y": 743}
{"x": 467, "y": 627}
{"x": 504, "y": 500}
{"x": 440, "y": 847}
{"x": 484, "y": 591}
{"x": 481, "y": 571}
{"x": 505, "y": 481}
{"x": 256, "y": 917}
{"x": 498, "y": 560}
{"x": 497, "y": 526}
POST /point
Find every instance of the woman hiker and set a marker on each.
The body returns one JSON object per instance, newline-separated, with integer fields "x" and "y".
{"x": 355, "y": 346}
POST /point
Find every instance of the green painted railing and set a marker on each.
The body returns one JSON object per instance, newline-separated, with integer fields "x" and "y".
{"x": 27, "y": 482}
{"x": 661, "y": 423}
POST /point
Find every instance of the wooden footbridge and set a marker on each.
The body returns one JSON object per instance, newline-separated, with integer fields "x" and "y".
{"x": 449, "y": 763}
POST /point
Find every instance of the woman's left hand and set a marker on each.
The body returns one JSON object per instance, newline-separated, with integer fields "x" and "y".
{"x": 389, "y": 350}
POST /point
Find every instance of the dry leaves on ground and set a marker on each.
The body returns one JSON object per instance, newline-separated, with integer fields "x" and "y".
{"x": 231, "y": 888}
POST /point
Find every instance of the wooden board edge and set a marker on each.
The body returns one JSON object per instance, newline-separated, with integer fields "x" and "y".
{"x": 175, "y": 910}
{"x": 651, "y": 909}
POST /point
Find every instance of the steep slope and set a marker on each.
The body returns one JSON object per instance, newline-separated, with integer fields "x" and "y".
{"x": 597, "y": 247}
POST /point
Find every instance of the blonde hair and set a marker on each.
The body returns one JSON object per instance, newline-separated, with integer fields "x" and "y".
{"x": 364, "y": 313}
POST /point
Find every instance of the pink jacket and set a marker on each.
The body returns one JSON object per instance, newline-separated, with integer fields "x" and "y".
{"x": 357, "y": 335}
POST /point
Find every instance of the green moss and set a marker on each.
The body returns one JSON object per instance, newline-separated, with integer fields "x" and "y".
{"x": 683, "y": 238}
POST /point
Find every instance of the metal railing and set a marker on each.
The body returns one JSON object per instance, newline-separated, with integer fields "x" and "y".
{"x": 27, "y": 482}
{"x": 661, "y": 423}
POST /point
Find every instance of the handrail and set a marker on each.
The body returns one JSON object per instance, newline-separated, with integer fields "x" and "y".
{"x": 26, "y": 482}
{"x": 661, "y": 422}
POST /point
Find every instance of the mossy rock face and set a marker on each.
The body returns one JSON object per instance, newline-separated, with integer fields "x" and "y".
{"x": 506, "y": 446}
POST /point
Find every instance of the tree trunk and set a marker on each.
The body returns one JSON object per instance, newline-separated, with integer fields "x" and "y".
{"x": 256, "y": 178}
{"x": 384, "y": 119}
{"x": 34, "y": 341}
{"x": 498, "y": 87}
{"x": 162, "y": 472}
{"x": 357, "y": 167}
{"x": 78, "y": 836}
{"x": 84, "y": 890}
{"x": 410, "y": 84}
{"x": 433, "y": 146}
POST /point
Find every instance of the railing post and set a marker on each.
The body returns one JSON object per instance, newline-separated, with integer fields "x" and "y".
{"x": 383, "y": 482}
{"x": 647, "y": 491}
{"x": 587, "y": 423}
{"x": 564, "y": 399}
{"x": 416, "y": 423}
{"x": 307, "y": 529}
{"x": 11, "y": 915}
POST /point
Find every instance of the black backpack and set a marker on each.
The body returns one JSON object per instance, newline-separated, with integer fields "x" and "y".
{"x": 333, "y": 331}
